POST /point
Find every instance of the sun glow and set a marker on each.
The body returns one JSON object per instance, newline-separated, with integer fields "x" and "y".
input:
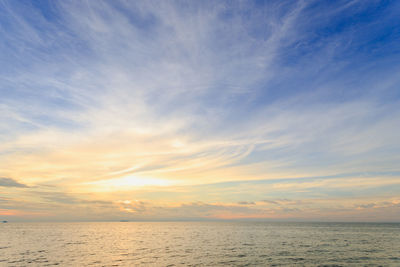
{"x": 128, "y": 182}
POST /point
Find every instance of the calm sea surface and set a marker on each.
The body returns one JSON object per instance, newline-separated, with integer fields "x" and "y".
{"x": 199, "y": 244}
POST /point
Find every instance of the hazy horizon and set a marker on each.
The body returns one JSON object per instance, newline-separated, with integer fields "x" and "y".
{"x": 200, "y": 110}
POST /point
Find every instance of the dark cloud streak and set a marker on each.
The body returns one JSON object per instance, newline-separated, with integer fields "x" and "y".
{"x": 8, "y": 182}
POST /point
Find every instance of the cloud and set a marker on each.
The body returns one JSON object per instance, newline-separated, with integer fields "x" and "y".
{"x": 3, "y": 199}
{"x": 270, "y": 201}
{"x": 72, "y": 199}
{"x": 366, "y": 206}
{"x": 187, "y": 95}
{"x": 8, "y": 182}
{"x": 246, "y": 203}
{"x": 137, "y": 207}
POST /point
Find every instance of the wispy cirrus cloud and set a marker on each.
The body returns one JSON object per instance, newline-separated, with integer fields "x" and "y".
{"x": 108, "y": 92}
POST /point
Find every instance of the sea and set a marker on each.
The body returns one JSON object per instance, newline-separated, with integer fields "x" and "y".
{"x": 199, "y": 244}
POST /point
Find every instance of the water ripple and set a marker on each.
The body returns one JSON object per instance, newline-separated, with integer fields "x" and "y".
{"x": 199, "y": 244}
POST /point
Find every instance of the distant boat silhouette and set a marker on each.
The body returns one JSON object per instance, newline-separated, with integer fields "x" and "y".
{"x": 4, "y": 221}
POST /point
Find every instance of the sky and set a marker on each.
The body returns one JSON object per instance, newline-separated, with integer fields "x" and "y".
{"x": 200, "y": 110}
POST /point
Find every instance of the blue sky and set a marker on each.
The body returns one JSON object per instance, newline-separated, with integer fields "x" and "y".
{"x": 155, "y": 103}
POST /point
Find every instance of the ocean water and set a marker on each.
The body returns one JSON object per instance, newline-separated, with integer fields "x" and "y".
{"x": 199, "y": 244}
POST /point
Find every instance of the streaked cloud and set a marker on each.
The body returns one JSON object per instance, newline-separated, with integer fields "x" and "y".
{"x": 8, "y": 182}
{"x": 200, "y": 109}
